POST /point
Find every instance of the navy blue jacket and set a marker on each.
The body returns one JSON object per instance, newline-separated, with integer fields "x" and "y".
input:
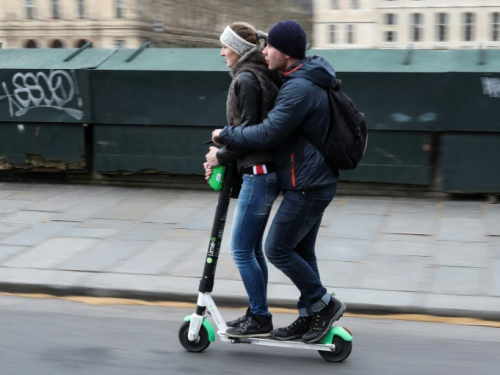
{"x": 301, "y": 106}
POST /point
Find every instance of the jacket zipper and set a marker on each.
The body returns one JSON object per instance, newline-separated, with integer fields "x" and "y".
{"x": 292, "y": 159}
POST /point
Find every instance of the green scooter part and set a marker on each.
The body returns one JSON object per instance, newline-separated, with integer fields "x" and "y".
{"x": 208, "y": 326}
{"x": 336, "y": 331}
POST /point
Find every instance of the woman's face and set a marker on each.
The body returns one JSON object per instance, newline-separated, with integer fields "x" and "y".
{"x": 230, "y": 56}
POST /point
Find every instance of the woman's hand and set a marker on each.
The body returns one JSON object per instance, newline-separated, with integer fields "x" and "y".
{"x": 208, "y": 171}
{"x": 211, "y": 157}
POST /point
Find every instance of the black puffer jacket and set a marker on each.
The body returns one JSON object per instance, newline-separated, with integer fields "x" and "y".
{"x": 302, "y": 103}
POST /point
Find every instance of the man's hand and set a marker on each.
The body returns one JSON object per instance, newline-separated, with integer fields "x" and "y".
{"x": 211, "y": 157}
{"x": 215, "y": 137}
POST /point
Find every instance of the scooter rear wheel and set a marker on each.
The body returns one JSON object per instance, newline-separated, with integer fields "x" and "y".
{"x": 342, "y": 350}
{"x": 193, "y": 346}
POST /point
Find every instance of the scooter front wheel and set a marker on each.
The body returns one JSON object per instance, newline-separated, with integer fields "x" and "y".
{"x": 342, "y": 350}
{"x": 193, "y": 346}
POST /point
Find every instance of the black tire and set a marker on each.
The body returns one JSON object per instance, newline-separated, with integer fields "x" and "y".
{"x": 193, "y": 346}
{"x": 342, "y": 350}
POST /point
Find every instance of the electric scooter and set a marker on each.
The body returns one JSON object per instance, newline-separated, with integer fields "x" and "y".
{"x": 196, "y": 333}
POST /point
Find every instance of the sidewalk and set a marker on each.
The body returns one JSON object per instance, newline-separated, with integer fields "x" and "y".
{"x": 387, "y": 255}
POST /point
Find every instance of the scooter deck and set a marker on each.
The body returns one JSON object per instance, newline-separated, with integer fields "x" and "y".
{"x": 278, "y": 343}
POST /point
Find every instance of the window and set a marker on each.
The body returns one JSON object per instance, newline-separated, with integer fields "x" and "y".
{"x": 354, "y": 4}
{"x": 119, "y": 8}
{"x": 350, "y": 34}
{"x": 495, "y": 27}
{"x": 30, "y": 9}
{"x": 55, "y": 9}
{"x": 332, "y": 34}
{"x": 335, "y": 4}
{"x": 468, "y": 22}
{"x": 390, "y": 36}
{"x": 442, "y": 21}
{"x": 56, "y": 44}
{"x": 31, "y": 44}
{"x": 390, "y": 19}
{"x": 416, "y": 27}
{"x": 80, "y": 9}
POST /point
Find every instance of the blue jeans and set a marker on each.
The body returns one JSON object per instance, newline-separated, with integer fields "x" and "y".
{"x": 290, "y": 244}
{"x": 255, "y": 201}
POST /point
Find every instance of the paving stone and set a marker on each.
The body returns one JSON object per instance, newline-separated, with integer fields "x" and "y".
{"x": 103, "y": 256}
{"x": 417, "y": 206}
{"x": 31, "y": 276}
{"x": 376, "y": 299}
{"x": 275, "y": 276}
{"x": 457, "y": 280}
{"x": 131, "y": 209}
{"x": 462, "y": 209}
{"x": 89, "y": 232}
{"x": 388, "y": 272}
{"x": 462, "y": 254}
{"x": 51, "y": 253}
{"x": 6, "y": 193}
{"x": 341, "y": 249}
{"x": 356, "y": 226}
{"x": 6, "y": 228}
{"x": 27, "y": 217}
{"x": 496, "y": 277}
{"x": 340, "y": 274}
{"x": 419, "y": 223}
{"x": 195, "y": 199}
{"x": 33, "y": 235}
{"x": 144, "y": 232}
{"x": 409, "y": 245}
{"x": 36, "y": 192}
{"x": 87, "y": 209}
{"x": 201, "y": 219}
{"x": 367, "y": 205}
{"x": 59, "y": 203}
{"x": 10, "y": 206}
{"x": 154, "y": 259}
{"x": 8, "y": 251}
{"x": 107, "y": 223}
{"x": 461, "y": 229}
{"x": 492, "y": 218}
{"x": 147, "y": 284}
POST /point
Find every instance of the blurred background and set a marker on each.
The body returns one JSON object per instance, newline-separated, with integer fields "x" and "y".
{"x": 197, "y": 23}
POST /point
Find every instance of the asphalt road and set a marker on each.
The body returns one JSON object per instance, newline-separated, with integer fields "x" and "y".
{"x": 57, "y": 337}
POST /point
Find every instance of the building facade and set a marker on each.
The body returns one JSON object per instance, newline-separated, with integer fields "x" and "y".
{"x": 425, "y": 24}
{"x": 129, "y": 23}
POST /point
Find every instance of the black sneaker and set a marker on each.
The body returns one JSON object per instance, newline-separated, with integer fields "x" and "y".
{"x": 254, "y": 326}
{"x": 294, "y": 331}
{"x": 323, "y": 320}
{"x": 241, "y": 319}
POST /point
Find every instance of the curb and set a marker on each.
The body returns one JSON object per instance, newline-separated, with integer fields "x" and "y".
{"x": 237, "y": 302}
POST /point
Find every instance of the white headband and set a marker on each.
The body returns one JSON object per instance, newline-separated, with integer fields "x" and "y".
{"x": 235, "y": 42}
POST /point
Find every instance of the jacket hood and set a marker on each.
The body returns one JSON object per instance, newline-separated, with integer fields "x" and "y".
{"x": 315, "y": 69}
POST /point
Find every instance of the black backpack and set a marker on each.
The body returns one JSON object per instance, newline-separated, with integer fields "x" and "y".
{"x": 348, "y": 135}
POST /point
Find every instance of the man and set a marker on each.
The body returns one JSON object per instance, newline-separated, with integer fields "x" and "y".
{"x": 308, "y": 183}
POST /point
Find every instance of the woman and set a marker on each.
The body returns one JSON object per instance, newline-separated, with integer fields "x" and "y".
{"x": 251, "y": 96}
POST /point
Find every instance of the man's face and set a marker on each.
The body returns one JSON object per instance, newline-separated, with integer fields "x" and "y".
{"x": 275, "y": 59}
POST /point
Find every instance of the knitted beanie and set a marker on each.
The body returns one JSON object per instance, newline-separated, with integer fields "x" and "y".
{"x": 289, "y": 38}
